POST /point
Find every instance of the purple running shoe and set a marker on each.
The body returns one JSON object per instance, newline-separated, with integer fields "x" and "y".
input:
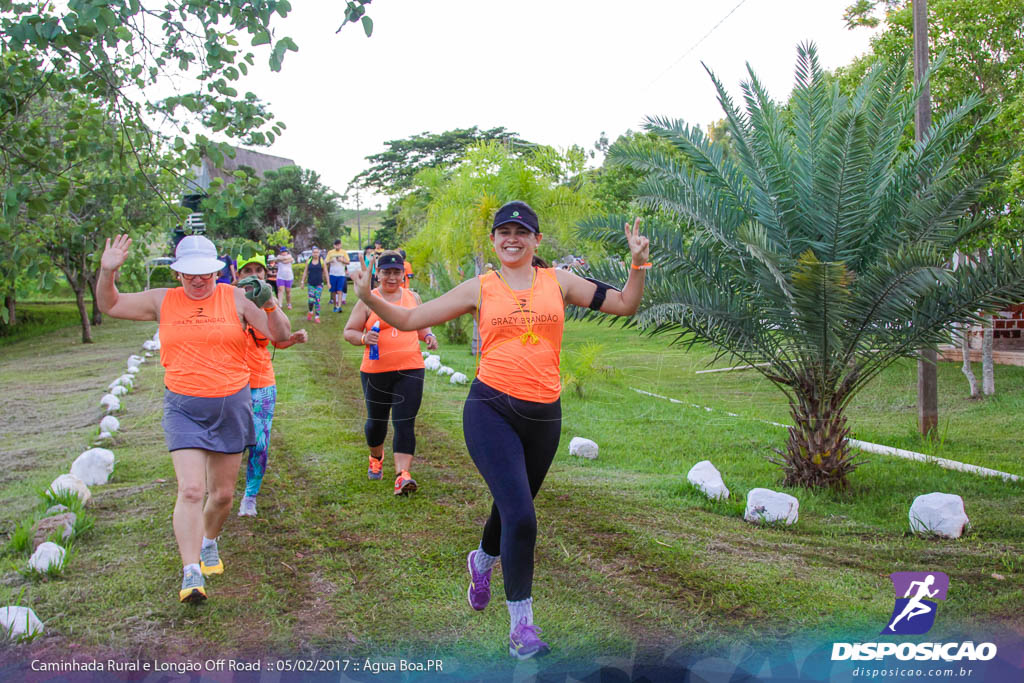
{"x": 479, "y": 592}
{"x": 524, "y": 643}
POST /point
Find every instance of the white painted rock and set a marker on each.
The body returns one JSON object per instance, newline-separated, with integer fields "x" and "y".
{"x": 126, "y": 380}
{"x": 57, "y": 509}
{"x": 445, "y": 370}
{"x": 19, "y": 622}
{"x": 942, "y": 514}
{"x": 432, "y": 362}
{"x": 115, "y": 383}
{"x": 583, "y": 448}
{"x": 109, "y": 423}
{"x": 148, "y": 354}
{"x": 458, "y": 378}
{"x": 132, "y": 369}
{"x": 94, "y": 466}
{"x": 708, "y": 479}
{"x": 47, "y": 555}
{"x": 426, "y": 354}
{"x": 103, "y": 437}
{"x": 765, "y": 505}
{"x": 110, "y": 402}
{"x": 69, "y": 482}
{"x": 136, "y": 359}
{"x": 150, "y": 345}
{"x": 119, "y": 391}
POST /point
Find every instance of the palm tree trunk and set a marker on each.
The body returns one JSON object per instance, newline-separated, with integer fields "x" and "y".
{"x": 817, "y": 453}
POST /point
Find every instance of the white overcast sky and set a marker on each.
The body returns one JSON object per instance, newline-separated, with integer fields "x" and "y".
{"x": 557, "y": 72}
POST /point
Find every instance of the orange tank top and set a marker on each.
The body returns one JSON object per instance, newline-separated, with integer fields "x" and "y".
{"x": 257, "y": 356}
{"x": 202, "y": 344}
{"x": 521, "y": 335}
{"x": 398, "y": 350}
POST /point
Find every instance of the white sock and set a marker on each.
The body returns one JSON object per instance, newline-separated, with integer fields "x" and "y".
{"x": 519, "y": 610}
{"x": 207, "y": 542}
{"x": 190, "y": 568}
{"x": 483, "y": 562}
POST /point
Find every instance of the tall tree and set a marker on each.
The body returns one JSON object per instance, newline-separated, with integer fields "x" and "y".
{"x": 294, "y": 198}
{"x": 983, "y": 42}
{"x": 822, "y": 244}
{"x": 392, "y": 171}
{"x": 463, "y": 200}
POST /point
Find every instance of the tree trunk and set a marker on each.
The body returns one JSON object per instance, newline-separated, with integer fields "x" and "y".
{"x": 83, "y": 313}
{"x": 988, "y": 379}
{"x": 97, "y": 317}
{"x": 11, "y": 305}
{"x": 963, "y": 334}
{"x": 817, "y": 454}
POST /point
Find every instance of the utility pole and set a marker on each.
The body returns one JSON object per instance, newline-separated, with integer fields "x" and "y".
{"x": 359, "y": 226}
{"x": 927, "y": 368}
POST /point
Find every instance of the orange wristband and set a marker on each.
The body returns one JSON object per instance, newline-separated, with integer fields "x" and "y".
{"x": 270, "y": 310}
{"x": 646, "y": 266}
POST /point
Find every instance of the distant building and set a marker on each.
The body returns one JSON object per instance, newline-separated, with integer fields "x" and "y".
{"x": 197, "y": 187}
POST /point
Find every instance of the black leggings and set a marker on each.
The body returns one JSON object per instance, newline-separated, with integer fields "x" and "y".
{"x": 398, "y": 392}
{"x": 512, "y": 442}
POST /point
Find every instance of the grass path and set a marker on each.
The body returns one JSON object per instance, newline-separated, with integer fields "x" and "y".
{"x": 629, "y": 559}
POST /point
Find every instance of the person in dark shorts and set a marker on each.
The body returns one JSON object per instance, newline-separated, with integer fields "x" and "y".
{"x": 208, "y": 420}
{"x": 512, "y": 416}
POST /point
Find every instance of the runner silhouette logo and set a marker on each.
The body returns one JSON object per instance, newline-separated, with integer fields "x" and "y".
{"x": 916, "y": 593}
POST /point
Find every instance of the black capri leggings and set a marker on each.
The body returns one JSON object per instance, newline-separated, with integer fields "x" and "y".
{"x": 512, "y": 442}
{"x": 398, "y": 392}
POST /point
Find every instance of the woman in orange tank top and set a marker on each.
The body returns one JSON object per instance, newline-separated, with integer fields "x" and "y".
{"x": 207, "y": 404}
{"x": 393, "y": 382}
{"x": 512, "y": 416}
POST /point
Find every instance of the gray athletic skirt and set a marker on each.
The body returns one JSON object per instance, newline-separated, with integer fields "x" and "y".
{"x": 221, "y": 425}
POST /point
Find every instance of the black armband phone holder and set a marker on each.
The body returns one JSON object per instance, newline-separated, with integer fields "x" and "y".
{"x": 599, "y": 294}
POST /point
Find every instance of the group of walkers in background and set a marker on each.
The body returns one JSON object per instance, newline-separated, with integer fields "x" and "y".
{"x": 221, "y": 390}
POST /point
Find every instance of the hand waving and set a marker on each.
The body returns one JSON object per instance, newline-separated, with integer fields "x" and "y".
{"x": 116, "y": 253}
{"x": 639, "y": 246}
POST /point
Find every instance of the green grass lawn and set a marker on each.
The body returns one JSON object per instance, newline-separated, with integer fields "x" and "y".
{"x": 629, "y": 558}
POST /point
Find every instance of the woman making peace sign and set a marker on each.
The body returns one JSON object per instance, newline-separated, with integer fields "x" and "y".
{"x": 512, "y": 416}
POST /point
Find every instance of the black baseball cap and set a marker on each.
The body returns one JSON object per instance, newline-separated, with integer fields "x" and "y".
{"x": 519, "y": 213}
{"x": 390, "y": 260}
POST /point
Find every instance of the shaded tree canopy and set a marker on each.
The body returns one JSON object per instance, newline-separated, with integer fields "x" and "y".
{"x": 982, "y": 44}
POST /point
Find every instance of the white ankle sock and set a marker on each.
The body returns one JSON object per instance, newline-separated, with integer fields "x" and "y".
{"x": 207, "y": 542}
{"x": 190, "y": 567}
{"x": 519, "y": 610}
{"x": 483, "y": 562}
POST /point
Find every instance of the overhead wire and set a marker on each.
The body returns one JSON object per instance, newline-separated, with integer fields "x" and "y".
{"x": 695, "y": 45}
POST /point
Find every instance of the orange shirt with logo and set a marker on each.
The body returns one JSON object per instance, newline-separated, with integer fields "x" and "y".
{"x": 521, "y": 335}
{"x": 398, "y": 350}
{"x": 203, "y": 344}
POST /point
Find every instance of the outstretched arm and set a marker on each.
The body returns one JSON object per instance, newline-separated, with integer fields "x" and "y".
{"x": 580, "y": 291}
{"x": 459, "y": 300}
{"x": 133, "y": 306}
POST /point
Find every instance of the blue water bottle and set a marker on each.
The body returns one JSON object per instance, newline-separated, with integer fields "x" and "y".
{"x": 374, "y": 350}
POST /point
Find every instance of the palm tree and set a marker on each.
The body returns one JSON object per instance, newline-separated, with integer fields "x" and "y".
{"x": 820, "y": 246}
